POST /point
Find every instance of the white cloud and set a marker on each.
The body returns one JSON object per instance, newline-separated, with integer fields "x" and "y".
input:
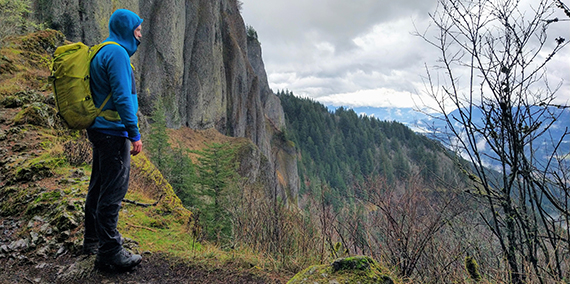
{"x": 381, "y": 97}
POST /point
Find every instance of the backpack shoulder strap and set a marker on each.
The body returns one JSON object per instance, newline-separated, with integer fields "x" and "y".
{"x": 110, "y": 115}
{"x": 95, "y": 49}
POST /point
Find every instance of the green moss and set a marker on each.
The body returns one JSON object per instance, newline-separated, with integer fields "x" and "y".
{"x": 17, "y": 199}
{"x": 36, "y": 114}
{"x": 157, "y": 233}
{"x": 49, "y": 196}
{"x": 358, "y": 269}
{"x": 24, "y": 61}
{"x": 168, "y": 226}
{"x": 7, "y": 66}
{"x": 65, "y": 219}
{"x": 44, "y": 41}
{"x": 11, "y": 102}
{"x": 37, "y": 208}
{"x": 44, "y": 202}
{"x": 472, "y": 268}
{"x": 354, "y": 263}
{"x": 36, "y": 169}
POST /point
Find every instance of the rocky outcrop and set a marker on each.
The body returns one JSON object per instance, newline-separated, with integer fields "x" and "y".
{"x": 197, "y": 58}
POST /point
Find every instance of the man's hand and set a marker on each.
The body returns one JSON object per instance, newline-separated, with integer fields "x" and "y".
{"x": 137, "y": 147}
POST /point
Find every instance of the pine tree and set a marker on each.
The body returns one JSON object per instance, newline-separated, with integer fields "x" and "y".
{"x": 174, "y": 164}
{"x": 183, "y": 176}
{"x": 158, "y": 146}
{"x": 217, "y": 172}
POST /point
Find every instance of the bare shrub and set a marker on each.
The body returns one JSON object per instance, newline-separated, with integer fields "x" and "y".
{"x": 78, "y": 152}
{"x": 268, "y": 226}
{"x": 494, "y": 55}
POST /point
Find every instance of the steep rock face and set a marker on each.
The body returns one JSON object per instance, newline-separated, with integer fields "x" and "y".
{"x": 197, "y": 58}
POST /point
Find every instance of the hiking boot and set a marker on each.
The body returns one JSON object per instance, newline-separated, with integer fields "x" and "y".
{"x": 90, "y": 248}
{"x": 122, "y": 260}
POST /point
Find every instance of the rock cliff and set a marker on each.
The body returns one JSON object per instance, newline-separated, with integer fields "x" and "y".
{"x": 196, "y": 56}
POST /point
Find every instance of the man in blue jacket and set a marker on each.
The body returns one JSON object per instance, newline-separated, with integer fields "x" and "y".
{"x": 113, "y": 142}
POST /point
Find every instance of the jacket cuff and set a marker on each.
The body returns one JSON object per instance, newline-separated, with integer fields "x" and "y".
{"x": 136, "y": 138}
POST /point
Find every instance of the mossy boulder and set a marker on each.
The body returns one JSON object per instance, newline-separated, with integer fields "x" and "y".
{"x": 44, "y": 41}
{"x": 36, "y": 170}
{"x": 66, "y": 219}
{"x": 38, "y": 114}
{"x": 21, "y": 98}
{"x": 14, "y": 200}
{"x": 353, "y": 270}
{"x": 7, "y": 65}
{"x": 11, "y": 102}
{"x": 30, "y": 97}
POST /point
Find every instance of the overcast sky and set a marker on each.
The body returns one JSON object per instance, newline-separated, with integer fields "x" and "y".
{"x": 355, "y": 53}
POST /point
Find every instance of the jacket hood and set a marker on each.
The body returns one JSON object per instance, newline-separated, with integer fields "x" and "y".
{"x": 121, "y": 29}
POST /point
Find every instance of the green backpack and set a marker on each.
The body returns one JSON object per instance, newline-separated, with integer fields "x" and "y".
{"x": 70, "y": 80}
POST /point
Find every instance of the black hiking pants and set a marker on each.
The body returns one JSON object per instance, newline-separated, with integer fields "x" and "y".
{"x": 107, "y": 188}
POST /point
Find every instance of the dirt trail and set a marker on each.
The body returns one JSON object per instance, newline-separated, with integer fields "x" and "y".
{"x": 155, "y": 268}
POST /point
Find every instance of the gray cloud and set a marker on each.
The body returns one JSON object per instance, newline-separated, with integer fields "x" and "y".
{"x": 353, "y": 50}
{"x": 335, "y": 21}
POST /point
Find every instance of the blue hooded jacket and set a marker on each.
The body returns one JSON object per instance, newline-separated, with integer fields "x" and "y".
{"x": 111, "y": 72}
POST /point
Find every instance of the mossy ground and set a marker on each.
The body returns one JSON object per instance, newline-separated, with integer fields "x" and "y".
{"x": 24, "y": 61}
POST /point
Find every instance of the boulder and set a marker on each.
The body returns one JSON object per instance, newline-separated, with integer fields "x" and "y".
{"x": 357, "y": 269}
{"x": 38, "y": 114}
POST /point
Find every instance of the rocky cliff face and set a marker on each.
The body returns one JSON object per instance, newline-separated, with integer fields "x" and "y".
{"x": 197, "y": 58}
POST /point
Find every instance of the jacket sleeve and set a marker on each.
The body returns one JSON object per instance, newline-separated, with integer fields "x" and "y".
{"x": 123, "y": 93}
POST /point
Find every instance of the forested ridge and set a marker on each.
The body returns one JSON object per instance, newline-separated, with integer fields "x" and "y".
{"x": 343, "y": 148}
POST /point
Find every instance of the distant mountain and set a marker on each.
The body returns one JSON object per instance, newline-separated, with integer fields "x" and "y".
{"x": 423, "y": 123}
{"x": 417, "y": 121}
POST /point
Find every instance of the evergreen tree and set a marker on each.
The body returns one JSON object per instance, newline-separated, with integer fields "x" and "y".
{"x": 174, "y": 164}
{"x": 217, "y": 171}
{"x": 183, "y": 177}
{"x": 159, "y": 147}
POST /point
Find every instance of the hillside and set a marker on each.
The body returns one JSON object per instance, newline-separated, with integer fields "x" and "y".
{"x": 43, "y": 183}
{"x": 343, "y": 149}
{"x": 45, "y": 175}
